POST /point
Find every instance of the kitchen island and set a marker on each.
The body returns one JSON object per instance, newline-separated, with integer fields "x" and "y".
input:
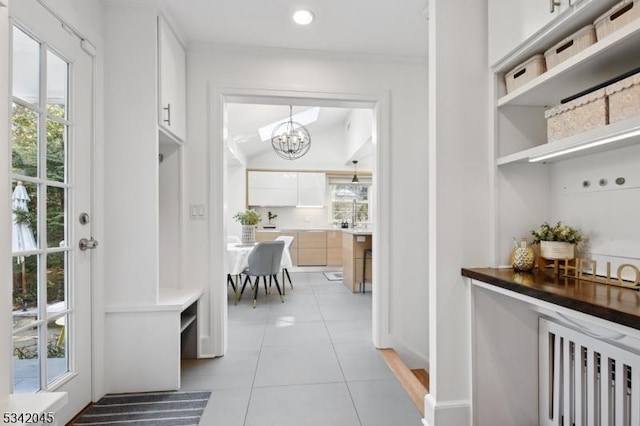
{"x": 354, "y": 266}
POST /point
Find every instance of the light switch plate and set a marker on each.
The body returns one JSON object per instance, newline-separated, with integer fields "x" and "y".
{"x": 197, "y": 212}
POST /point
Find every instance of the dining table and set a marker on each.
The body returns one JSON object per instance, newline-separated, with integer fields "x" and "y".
{"x": 238, "y": 260}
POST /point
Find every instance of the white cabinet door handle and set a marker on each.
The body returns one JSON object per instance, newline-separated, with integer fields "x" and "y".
{"x": 168, "y": 119}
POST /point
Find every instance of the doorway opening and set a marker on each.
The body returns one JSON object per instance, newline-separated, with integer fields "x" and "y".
{"x": 224, "y": 102}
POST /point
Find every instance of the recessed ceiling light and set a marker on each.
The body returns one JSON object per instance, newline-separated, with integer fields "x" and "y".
{"x": 303, "y": 17}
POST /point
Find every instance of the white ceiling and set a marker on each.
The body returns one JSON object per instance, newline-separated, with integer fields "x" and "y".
{"x": 396, "y": 28}
{"x": 376, "y": 27}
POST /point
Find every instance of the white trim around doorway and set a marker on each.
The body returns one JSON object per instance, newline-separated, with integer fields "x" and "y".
{"x": 218, "y": 97}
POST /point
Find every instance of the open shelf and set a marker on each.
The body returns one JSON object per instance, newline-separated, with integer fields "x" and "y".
{"x": 186, "y": 321}
{"x": 167, "y": 143}
{"x": 616, "y": 135}
{"x": 606, "y": 59}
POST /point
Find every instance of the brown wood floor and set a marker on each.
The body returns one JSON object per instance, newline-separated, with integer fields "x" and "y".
{"x": 415, "y": 382}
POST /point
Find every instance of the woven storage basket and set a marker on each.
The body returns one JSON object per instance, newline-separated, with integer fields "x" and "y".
{"x": 525, "y": 72}
{"x": 582, "y": 114}
{"x": 569, "y": 46}
{"x": 624, "y": 98}
{"x": 617, "y": 17}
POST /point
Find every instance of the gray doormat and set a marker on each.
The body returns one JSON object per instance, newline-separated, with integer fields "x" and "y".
{"x": 333, "y": 276}
{"x": 148, "y": 408}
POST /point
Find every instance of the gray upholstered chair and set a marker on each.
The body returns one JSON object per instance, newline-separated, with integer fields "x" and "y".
{"x": 264, "y": 261}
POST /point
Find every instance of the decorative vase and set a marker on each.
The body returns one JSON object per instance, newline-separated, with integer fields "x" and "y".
{"x": 557, "y": 250}
{"x": 523, "y": 259}
{"x": 248, "y": 234}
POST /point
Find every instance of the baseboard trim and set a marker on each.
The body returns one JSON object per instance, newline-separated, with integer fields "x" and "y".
{"x": 447, "y": 413}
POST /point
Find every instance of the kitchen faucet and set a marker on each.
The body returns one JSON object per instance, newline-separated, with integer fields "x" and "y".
{"x": 354, "y": 215}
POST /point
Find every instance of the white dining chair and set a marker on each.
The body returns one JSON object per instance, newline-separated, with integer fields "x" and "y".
{"x": 233, "y": 239}
{"x": 286, "y": 258}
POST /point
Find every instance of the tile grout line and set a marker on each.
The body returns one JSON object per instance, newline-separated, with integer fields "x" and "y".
{"x": 255, "y": 372}
{"x": 333, "y": 346}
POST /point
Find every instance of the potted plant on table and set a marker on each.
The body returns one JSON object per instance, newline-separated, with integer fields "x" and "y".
{"x": 248, "y": 219}
{"x": 558, "y": 241}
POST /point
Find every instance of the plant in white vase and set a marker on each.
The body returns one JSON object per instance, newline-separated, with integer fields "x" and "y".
{"x": 248, "y": 219}
{"x": 558, "y": 241}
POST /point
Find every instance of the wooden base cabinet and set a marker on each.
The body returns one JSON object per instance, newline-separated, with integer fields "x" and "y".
{"x": 309, "y": 247}
{"x": 312, "y": 248}
{"x": 334, "y": 248}
{"x": 353, "y": 247}
{"x": 272, "y": 235}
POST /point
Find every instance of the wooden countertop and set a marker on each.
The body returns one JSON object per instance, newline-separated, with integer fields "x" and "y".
{"x": 615, "y": 304}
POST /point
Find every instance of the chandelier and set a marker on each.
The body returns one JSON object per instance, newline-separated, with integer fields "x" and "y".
{"x": 290, "y": 140}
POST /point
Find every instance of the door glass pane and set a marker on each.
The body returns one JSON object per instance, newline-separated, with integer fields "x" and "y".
{"x": 55, "y": 216}
{"x": 57, "y": 78}
{"x": 56, "y": 283}
{"x": 56, "y": 150}
{"x": 26, "y": 67}
{"x": 57, "y": 359}
{"x": 25, "y": 291}
{"x": 24, "y": 215}
{"x": 26, "y": 364}
{"x": 24, "y": 141}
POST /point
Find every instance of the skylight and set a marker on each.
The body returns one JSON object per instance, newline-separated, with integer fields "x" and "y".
{"x": 305, "y": 117}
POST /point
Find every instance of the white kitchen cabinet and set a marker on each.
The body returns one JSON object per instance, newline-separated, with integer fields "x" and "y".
{"x": 311, "y": 189}
{"x": 172, "y": 82}
{"x": 272, "y": 188}
{"x": 286, "y": 189}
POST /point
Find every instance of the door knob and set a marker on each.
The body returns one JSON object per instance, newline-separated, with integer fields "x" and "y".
{"x": 87, "y": 244}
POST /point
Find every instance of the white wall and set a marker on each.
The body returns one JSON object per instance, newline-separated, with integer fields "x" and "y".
{"x": 360, "y": 123}
{"x": 459, "y": 188}
{"x": 131, "y": 156}
{"x": 236, "y": 197}
{"x": 608, "y": 214}
{"x": 211, "y": 70}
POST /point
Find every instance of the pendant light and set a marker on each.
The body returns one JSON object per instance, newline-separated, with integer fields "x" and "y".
{"x": 355, "y": 172}
{"x": 290, "y": 140}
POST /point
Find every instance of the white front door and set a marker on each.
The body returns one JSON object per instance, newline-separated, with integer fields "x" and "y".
{"x": 51, "y": 143}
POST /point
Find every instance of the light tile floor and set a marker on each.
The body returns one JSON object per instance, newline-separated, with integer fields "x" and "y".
{"x": 306, "y": 362}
